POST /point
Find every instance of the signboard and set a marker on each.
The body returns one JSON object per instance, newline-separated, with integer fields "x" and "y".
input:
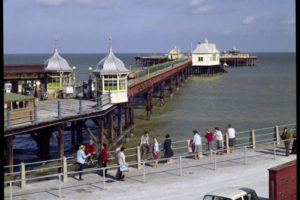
{"x": 69, "y": 90}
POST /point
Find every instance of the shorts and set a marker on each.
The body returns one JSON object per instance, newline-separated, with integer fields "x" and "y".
{"x": 231, "y": 142}
{"x": 155, "y": 155}
{"x": 220, "y": 144}
{"x": 198, "y": 149}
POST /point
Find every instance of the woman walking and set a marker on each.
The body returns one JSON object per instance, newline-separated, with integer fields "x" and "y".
{"x": 122, "y": 162}
{"x": 209, "y": 138}
{"x": 155, "y": 150}
{"x": 81, "y": 159}
{"x": 103, "y": 157}
{"x": 220, "y": 142}
{"x": 168, "y": 149}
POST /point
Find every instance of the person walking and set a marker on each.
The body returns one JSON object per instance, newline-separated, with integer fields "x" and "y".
{"x": 103, "y": 157}
{"x": 90, "y": 149}
{"x": 210, "y": 139}
{"x": 81, "y": 156}
{"x": 287, "y": 140}
{"x": 231, "y": 134}
{"x": 117, "y": 151}
{"x": 122, "y": 161}
{"x": 155, "y": 151}
{"x": 220, "y": 142}
{"x": 168, "y": 152}
{"x": 197, "y": 144}
{"x": 145, "y": 143}
{"x": 294, "y": 147}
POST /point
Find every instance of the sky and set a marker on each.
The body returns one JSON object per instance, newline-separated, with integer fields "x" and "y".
{"x": 147, "y": 26}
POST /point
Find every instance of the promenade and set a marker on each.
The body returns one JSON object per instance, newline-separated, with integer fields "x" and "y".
{"x": 198, "y": 177}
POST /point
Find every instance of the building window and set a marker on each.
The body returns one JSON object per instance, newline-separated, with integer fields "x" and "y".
{"x": 122, "y": 84}
{"x": 200, "y": 59}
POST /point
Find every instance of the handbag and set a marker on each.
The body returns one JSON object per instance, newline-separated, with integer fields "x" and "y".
{"x": 283, "y": 137}
{"x": 124, "y": 167}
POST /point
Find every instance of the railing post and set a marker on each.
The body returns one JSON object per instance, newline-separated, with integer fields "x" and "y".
{"x": 23, "y": 175}
{"x": 138, "y": 156}
{"x": 245, "y": 151}
{"x": 80, "y": 105}
{"x": 59, "y": 186}
{"x": 58, "y": 110}
{"x": 109, "y": 97}
{"x": 215, "y": 159}
{"x": 8, "y": 119}
{"x": 35, "y": 114}
{"x": 10, "y": 190}
{"x": 253, "y": 139}
{"x": 227, "y": 143}
{"x": 274, "y": 149}
{"x": 180, "y": 166}
{"x": 65, "y": 169}
{"x": 276, "y": 129}
{"x": 99, "y": 101}
{"x": 103, "y": 172}
{"x": 144, "y": 171}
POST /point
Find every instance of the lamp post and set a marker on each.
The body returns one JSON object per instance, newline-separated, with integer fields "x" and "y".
{"x": 74, "y": 80}
{"x": 90, "y": 83}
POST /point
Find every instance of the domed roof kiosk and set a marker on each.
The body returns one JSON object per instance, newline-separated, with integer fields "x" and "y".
{"x": 60, "y": 80}
{"x": 111, "y": 75}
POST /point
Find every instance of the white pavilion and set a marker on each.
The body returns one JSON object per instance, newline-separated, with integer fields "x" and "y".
{"x": 205, "y": 54}
{"x": 111, "y": 75}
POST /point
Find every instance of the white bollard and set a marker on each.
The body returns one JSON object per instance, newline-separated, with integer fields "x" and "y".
{"x": 59, "y": 186}
{"x": 10, "y": 190}
{"x": 23, "y": 175}
{"x": 103, "y": 172}
{"x": 144, "y": 171}
{"x": 215, "y": 159}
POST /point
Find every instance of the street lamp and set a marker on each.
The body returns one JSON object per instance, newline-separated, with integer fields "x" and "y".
{"x": 90, "y": 82}
{"x": 74, "y": 80}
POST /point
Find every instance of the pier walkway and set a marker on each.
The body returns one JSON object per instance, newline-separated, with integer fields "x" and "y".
{"x": 190, "y": 180}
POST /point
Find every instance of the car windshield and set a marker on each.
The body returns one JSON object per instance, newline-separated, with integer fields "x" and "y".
{"x": 209, "y": 197}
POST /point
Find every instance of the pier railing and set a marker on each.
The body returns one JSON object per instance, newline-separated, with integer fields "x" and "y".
{"x": 249, "y": 138}
{"x": 177, "y": 165}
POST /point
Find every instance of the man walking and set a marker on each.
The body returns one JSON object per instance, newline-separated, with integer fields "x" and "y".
{"x": 287, "y": 140}
{"x": 197, "y": 144}
{"x": 231, "y": 134}
{"x": 145, "y": 143}
{"x": 219, "y": 138}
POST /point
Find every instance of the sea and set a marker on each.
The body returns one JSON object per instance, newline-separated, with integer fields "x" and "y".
{"x": 247, "y": 97}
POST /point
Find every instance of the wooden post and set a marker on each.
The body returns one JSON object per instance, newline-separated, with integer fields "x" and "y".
{"x": 276, "y": 130}
{"x": 73, "y": 133}
{"x": 177, "y": 82}
{"x": 120, "y": 119}
{"x": 227, "y": 143}
{"x": 65, "y": 169}
{"x": 61, "y": 142}
{"x": 253, "y": 138}
{"x": 79, "y": 132}
{"x": 162, "y": 92}
{"x": 100, "y": 131}
{"x": 10, "y": 152}
{"x": 23, "y": 175}
{"x": 138, "y": 156}
{"x": 111, "y": 125}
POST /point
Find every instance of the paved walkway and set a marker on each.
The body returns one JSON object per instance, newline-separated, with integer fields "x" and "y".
{"x": 198, "y": 178}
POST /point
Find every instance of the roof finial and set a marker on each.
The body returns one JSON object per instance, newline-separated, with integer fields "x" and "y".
{"x": 110, "y": 44}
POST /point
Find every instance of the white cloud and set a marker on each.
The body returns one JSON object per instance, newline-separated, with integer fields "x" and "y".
{"x": 202, "y": 9}
{"x": 196, "y": 2}
{"x": 288, "y": 21}
{"x": 98, "y": 3}
{"x": 249, "y": 19}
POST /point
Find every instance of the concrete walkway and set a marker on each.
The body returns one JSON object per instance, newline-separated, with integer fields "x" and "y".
{"x": 198, "y": 178}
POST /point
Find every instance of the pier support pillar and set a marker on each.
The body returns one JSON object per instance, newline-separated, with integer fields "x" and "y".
{"x": 148, "y": 105}
{"x": 120, "y": 119}
{"x": 61, "y": 141}
{"x": 131, "y": 110}
{"x": 79, "y": 131}
{"x": 73, "y": 133}
{"x": 177, "y": 82}
{"x": 111, "y": 125}
{"x": 162, "y": 92}
{"x": 9, "y": 151}
{"x": 100, "y": 131}
{"x": 127, "y": 115}
{"x": 171, "y": 87}
{"x": 42, "y": 139}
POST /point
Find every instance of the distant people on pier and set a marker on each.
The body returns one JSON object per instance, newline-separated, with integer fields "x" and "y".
{"x": 209, "y": 137}
{"x": 286, "y": 136}
{"x": 117, "y": 151}
{"x": 103, "y": 157}
{"x": 231, "y": 135}
{"x": 294, "y": 147}
{"x": 81, "y": 156}
{"x": 155, "y": 151}
{"x": 219, "y": 139}
{"x": 168, "y": 152}
{"x": 123, "y": 165}
{"x": 145, "y": 143}
{"x": 197, "y": 145}
{"x": 90, "y": 149}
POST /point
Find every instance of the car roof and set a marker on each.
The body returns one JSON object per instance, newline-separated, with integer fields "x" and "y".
{"x": 230, "y": 192}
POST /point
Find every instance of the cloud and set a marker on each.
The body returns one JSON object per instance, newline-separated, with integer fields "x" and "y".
{"x": 202, "y": 9}
{"x": 249, "y": 19}
{"x": 52, "y": 3}
{"x": 196, "y": 2}
{"x": 287, "y": 21}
